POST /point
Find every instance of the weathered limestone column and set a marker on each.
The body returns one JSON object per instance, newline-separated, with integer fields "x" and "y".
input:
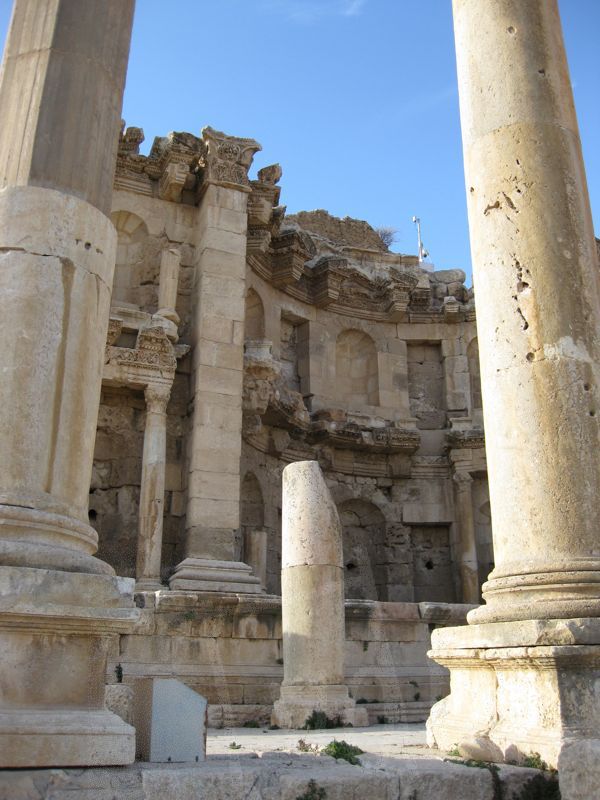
{"x": 312, "y": 597}
{"x": 255, "y": 553}
{"x": 523, "y": 673}
{"x": 152, "y": 490}
{"x": 467, "y": 556}
{"x": 61, "y": 88}
{"x": 213, "y": 512}
{"x": 168, "y": 282}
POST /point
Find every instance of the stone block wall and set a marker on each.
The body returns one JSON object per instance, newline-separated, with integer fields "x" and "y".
{"x": 229, "y": 649}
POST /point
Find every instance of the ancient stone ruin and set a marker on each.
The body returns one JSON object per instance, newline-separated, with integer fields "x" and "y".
{"x": 176, "y": 347}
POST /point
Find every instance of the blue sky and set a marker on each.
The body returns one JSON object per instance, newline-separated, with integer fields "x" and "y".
{"x": 356, "y": 99}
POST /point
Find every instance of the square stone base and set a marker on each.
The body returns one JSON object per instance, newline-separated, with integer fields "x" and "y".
{"x": 518, "y": 688}
{"x": 206, "y": 575}
{"x": 297, "y": 703}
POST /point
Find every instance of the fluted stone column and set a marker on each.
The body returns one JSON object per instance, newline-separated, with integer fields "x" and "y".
{"x": 211, "y": 548}
{"x": 312, "y": 597}
{"x": 524, "y": 672}
{"x": 152, "y": 490}
{"x": 467, "y": 547}
{"x": 61, "y": 90}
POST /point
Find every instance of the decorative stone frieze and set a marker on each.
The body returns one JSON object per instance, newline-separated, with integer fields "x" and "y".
{"x": 225, "y": 160}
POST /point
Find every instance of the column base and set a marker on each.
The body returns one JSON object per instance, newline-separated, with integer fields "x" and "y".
{"x": 55, "y": 631}
{"x": 206, "y": 575}
{"x": 297, "y": 703}
{"x": 518, "y": 689}
{"x": 57, "y": 738}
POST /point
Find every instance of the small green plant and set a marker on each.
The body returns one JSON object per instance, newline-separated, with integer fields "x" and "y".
{"x": 319, "y": 720}
{"x": 535, "y": 761}
{"x": 343, "y": 750}
{"x": 306, "y": 747}
{"x": 251, "y": 723}
{"x": 274, "y": 728}
{"x": 382, "y": 719}
{"x": 416, "y": 696}
{"x": 361, "y": 701}
{"x": 313, "y": 792}
{"x": 365, "y": 647}
{"x": 189, "y": 616}
{"x": 454, "y": 751}
{"x": 279, "y": 661}
{"x": 235, "y": 746}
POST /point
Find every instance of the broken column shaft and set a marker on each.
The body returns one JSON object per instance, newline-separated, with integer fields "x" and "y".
{"x": 312, "y": 597}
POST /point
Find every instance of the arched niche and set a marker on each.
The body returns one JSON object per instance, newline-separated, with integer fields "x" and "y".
{"x": 132, "y": 237}
{"x": 357, "y": 378}
{"x": 363, "y": 527}
{"x": 254, "y": 317}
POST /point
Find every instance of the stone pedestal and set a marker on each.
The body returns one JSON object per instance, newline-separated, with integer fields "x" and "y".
{"x": 312, "y": 596}
{"x": 524, "y": 674}
{"x": 518, "y": 688}
{"x": 213, "y": 510}
{"x": 60, "y": 94}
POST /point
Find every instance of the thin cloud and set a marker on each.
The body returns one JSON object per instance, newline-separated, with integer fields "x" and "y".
{"x": 311, "y": 11}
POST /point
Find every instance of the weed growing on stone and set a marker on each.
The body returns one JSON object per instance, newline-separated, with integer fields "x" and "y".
{"x": 235, "y": 746}
{"x": 535, "y": 761}
{"x": 252, "y": 723}
{"x": 306, "y": 747}
{"x": 313, "y": 792}
{"x": 342, "y": 750}
{"x": 319, "y": 720}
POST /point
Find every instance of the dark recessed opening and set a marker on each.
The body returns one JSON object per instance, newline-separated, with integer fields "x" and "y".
{"x": 429, "y": 564}
{"x": 92, "y": 514}
{"x": 350, "y": 565}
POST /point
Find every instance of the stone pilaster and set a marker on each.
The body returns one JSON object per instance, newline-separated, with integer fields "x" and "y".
{"x": 467, "y": 547}
{"x": 213, "y": 514}
{"x": 152, "y": 490}
{"x": 312, "y": 598}
{"x": 524, "y": 672}
{"x": 61, "y": 89}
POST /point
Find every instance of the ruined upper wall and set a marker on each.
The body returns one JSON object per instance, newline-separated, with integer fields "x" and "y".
{"x": 346, "y": 231}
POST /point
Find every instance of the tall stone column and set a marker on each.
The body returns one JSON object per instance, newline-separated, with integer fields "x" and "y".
{"x": 213, "y": 513}
{"x": 467, "y": 555}
{"x": 61, "y": 88}
{"x": 312, "y": 599}
{"x": 529, "y": 686}
{"x": 152, "y": 490}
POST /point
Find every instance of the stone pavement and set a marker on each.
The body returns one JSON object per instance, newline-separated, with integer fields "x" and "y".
{"x": 268, "y": 766}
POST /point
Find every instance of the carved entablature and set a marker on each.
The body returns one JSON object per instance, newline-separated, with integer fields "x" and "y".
{"x": 289, "y": 254}
{"x": 153, "y": 360}
{"x": 166, "y": 172}
{"x": 472, "y": 439}
{"x": 225, "y": 160}
{"x": 350, "y": 435}
{"x": 327, "y": 278}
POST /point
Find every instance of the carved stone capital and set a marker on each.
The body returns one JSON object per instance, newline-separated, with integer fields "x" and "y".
{"x": 463, "y": 481}
{"x": 157, "y": 397}
{"x": 227, "y": 159}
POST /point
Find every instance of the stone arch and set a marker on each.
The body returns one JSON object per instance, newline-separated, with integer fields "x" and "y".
{"x": 363, "y": 531}
{"x": 474, "y": 375}
{"x": 357, "y": 376}
{"x": 132, "y": 237}
{"x": 254, "y": 316}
